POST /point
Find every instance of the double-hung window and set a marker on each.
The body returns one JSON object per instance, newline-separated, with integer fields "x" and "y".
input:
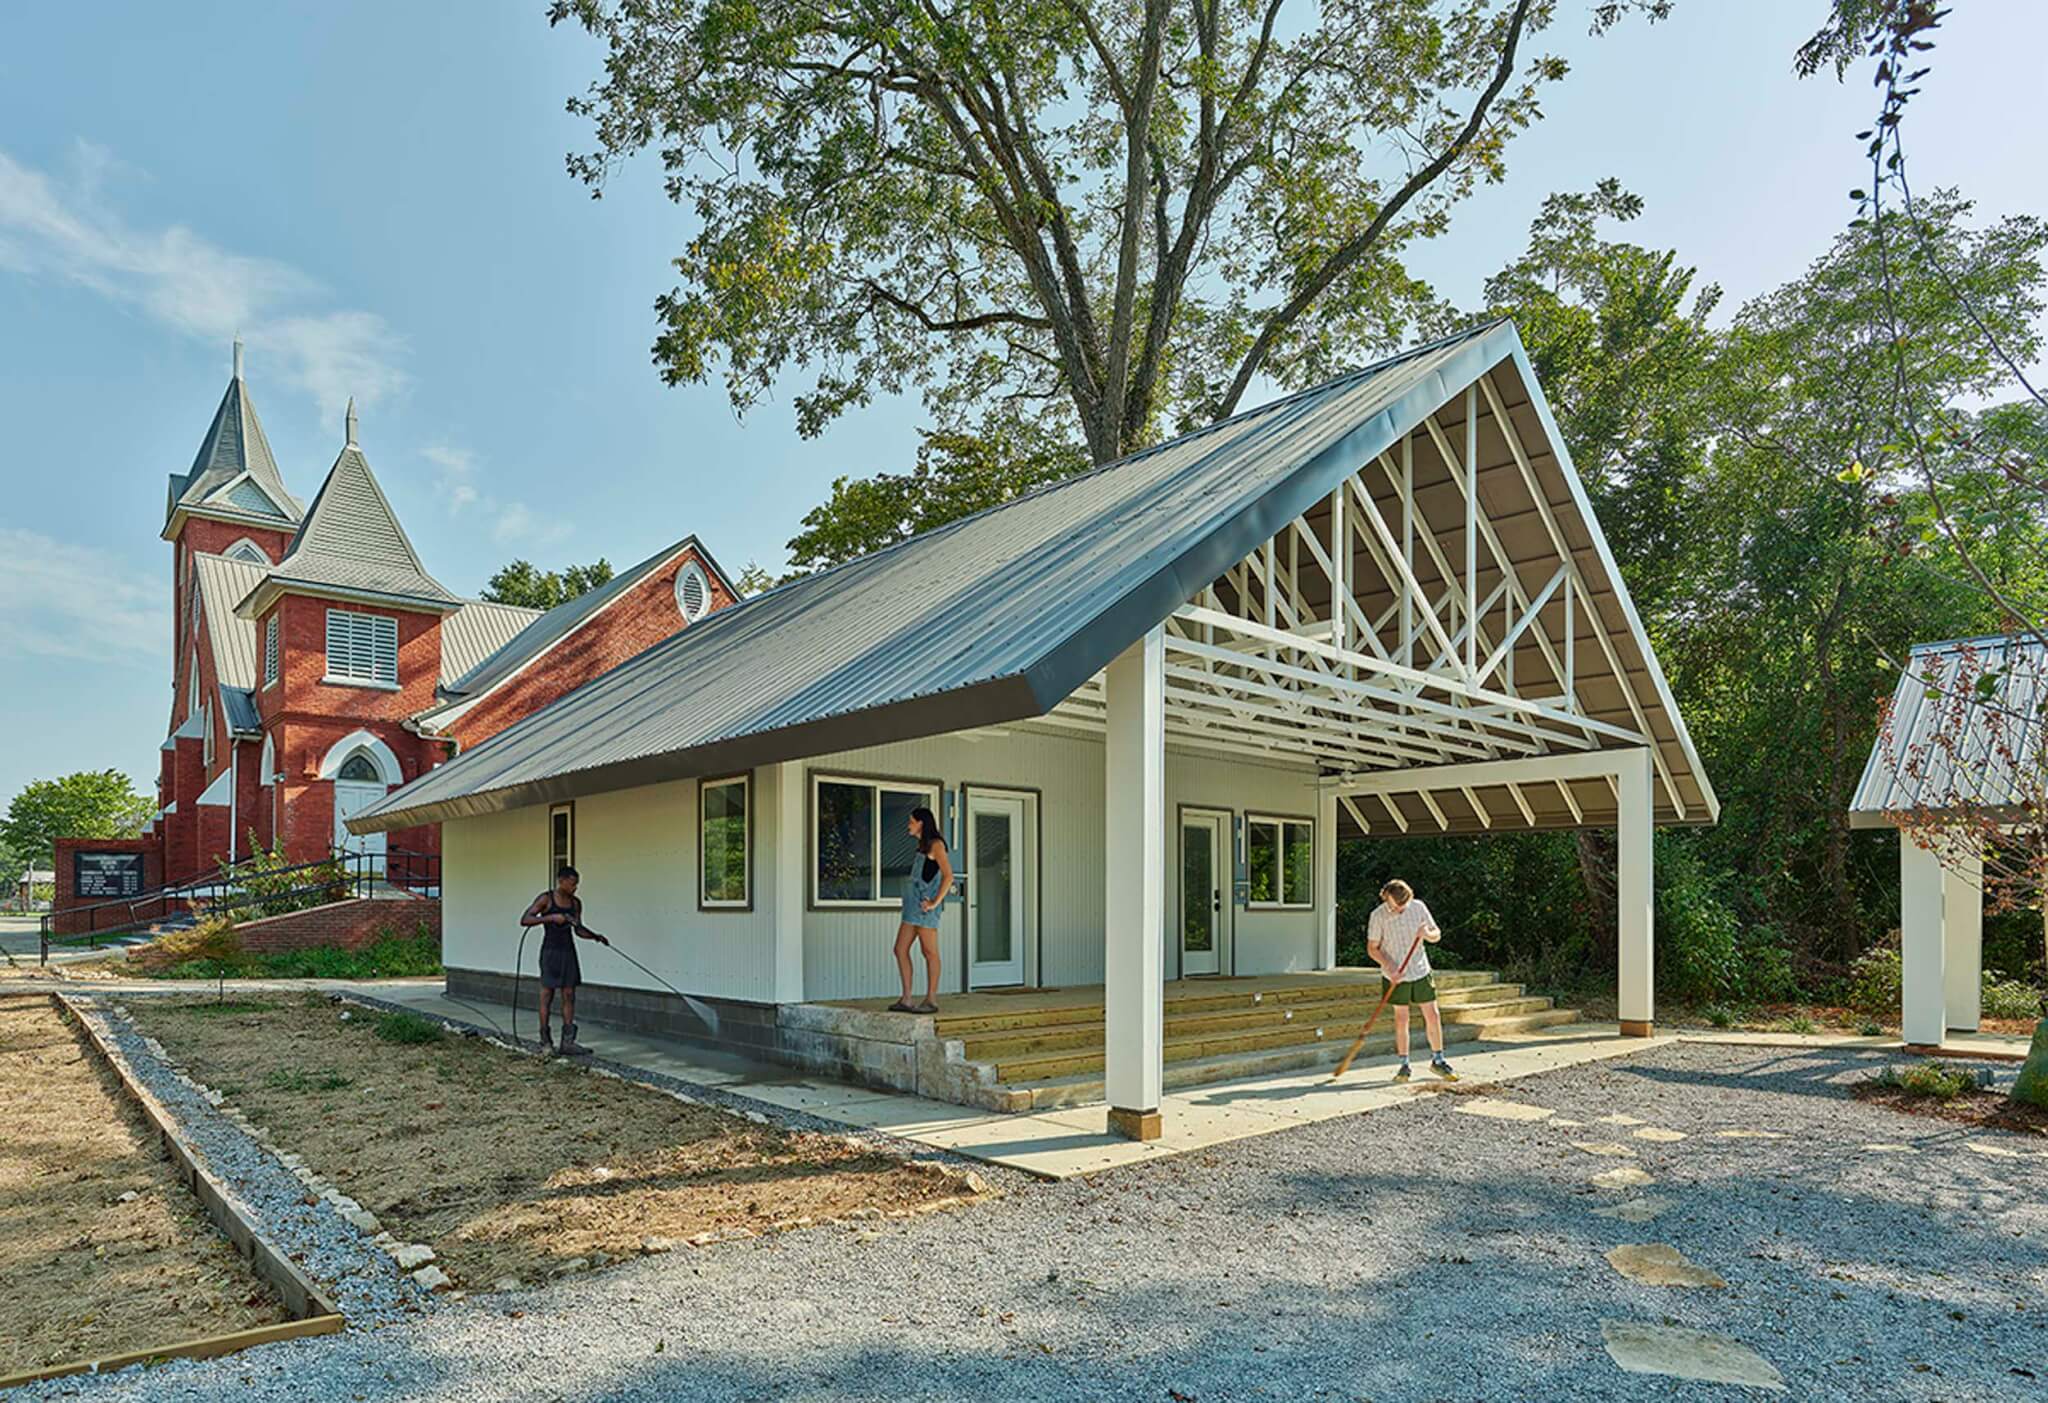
{"x": 561, "y": 839}
{"x": 1279, "y": 862}
{"x": 862, "y": 853}
{"x": 362, "y": 648}
{"x": 723, "y": 844}
{"x": 270, "y": 663}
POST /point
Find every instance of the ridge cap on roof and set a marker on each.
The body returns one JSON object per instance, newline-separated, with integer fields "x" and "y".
{"x": 1344, "y": 378}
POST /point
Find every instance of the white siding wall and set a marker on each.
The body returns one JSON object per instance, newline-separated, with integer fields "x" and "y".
{"x": 637, "y": 851}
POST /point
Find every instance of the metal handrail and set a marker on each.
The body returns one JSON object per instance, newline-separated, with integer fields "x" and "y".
{"x": 416, "y": 870}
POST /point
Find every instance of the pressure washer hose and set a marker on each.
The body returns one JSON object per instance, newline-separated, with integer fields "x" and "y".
{"x": 705, "y": 1013}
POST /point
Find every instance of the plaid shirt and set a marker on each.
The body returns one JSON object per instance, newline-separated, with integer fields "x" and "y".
{"x": 1394, "y": 933}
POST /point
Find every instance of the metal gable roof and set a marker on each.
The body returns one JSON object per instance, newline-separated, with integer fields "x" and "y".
{"x": 351, "y": 541}
{"x": 224, "y": 581}
{"x": 543, "y": 630}
{"x": 994, "y": 618}
{"x": 1935, "y": 721}
{"x": 477, "y": 632}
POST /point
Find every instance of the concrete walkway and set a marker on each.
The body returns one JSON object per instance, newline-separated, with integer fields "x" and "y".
{"x": 1060, "y": 1144}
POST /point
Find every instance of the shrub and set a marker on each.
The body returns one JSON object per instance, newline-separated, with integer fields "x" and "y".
{"x": 1931, "y": 1079}
{"x": 406, "y": 1028}
{"x": 2010, "y": 998}
{"x": 1800, "y": 1023}
{"x": 1872, "y": 1030}
{"x": 265, "y": 876}
{"x": 1873, "y": 985}
{"x": 1719, "y": 1016}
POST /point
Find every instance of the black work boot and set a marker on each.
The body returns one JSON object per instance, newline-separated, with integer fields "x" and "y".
{"x": 570, "y": 1047}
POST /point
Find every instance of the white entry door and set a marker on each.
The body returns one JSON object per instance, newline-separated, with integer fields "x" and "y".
{"x": 1201, "y": 894}
{"x": 351, "y": 796}
{"x": 996, "y": 880}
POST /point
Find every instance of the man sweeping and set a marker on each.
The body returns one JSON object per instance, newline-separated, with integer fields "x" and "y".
{"x": 1395, "y": 936}
{"x": 560, "y": 912}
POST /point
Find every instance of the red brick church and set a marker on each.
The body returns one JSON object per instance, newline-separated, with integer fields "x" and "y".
{"x": 318, "y": 664}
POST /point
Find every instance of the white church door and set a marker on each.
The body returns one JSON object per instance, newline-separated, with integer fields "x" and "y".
{"x": 357, "y": 786}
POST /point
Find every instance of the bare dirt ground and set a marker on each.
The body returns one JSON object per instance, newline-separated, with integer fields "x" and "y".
{"x": 507, "y": 1165}
{"x": 103, "y": 1250}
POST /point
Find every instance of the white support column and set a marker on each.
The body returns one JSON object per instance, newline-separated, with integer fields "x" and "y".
{"x": 1326, "y": 879}
{"x": 1962, "y": 910}
{"x": 785, "y": 782}
{"x": 1922, "y": 945}
{"x": 1635, "y": 906}
{"x": 1134, "y": 909}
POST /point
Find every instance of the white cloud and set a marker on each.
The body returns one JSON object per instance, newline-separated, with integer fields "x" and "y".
{"x": 63, "y": 229}
{"x": 67, "y": 601}
{"x": 511, "y": 522}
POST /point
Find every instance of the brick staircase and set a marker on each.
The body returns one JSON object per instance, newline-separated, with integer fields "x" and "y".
{"x": 1037, "y": 1057}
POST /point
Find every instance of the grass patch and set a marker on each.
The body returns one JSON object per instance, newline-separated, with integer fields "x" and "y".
{"x": 297, "y": 1079}
{"x": 407, "y": 1028}
{"x": 392, "y": 957}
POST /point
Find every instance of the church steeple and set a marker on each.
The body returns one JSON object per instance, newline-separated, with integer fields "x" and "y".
{"x": 234, "y": 477}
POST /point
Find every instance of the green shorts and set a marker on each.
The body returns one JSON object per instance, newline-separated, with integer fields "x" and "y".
{"x": 1415, "y": 991}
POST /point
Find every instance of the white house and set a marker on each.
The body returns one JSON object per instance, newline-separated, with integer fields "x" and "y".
{"x": 1146, "y": 701}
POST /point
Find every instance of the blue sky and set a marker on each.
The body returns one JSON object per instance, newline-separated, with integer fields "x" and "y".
{"x": 374, "y": 196}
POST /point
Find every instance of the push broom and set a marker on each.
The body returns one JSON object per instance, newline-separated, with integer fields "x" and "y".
{"x": 1344, "y": 1065}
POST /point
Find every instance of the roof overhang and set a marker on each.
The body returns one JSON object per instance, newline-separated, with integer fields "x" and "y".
{"x": 274, "y": 586}
{"x": 211, "y": 511}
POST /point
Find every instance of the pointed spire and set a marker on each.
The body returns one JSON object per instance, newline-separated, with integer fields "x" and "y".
{"x": 350, "y": 441}
{"x": 238, "y": 357}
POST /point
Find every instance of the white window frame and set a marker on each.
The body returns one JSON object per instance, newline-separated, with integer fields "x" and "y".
{"x": 192, "y": 687}
{"x": 206, "y": 742}
{"x": 375, "y": 624}
{"x": 745, "y": 902}
{"x": 1283, "y": 822}
{"x": 692, "y": 570}
{"x": 557, "y": 861}
{"x": 927, "y": 789}
{"x": 247, "y": 551}
{"x": 272, "y": 664}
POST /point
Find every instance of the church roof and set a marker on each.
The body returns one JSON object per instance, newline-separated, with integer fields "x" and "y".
{"x": 234, "y": 474}
{"x": 350, "y": 543}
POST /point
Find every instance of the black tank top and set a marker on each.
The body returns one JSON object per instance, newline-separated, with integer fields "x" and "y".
{"x": 558, "y": 937}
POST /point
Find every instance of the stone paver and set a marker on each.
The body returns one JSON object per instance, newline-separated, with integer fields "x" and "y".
{"x": 1504, "y": 1110}
{"x": 1661, "y": 1264}
{"x": 1609, "y": 1148}
{"x": 1626, "y": 1177}
{"x": 1638, "y": 1210}
{"x": 1687, "y": 1354}
{"x": 1656, "y": 1134}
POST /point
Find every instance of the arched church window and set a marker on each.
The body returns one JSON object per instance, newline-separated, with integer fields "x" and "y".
{"x": 359, "y": 766}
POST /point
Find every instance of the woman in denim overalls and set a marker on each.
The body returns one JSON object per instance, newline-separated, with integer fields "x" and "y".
{"x": 931, "y": 881}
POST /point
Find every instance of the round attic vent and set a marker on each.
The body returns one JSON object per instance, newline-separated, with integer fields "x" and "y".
{"x": 693, "y": 591}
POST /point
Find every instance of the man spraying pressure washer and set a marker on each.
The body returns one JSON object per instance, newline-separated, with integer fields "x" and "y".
{"x": 560, "y": 914}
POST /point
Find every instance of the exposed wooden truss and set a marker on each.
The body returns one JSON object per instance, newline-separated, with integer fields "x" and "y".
{"x": 1377, "y": 636}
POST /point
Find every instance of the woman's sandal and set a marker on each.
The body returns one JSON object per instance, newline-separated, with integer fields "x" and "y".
{"x": 902, "y": 1006}
{"x": 926, "y": 1007}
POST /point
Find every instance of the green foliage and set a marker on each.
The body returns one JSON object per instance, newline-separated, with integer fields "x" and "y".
{"x": 957, "y": 474}
{"x": 2010, "y": 998}
{"x": 1871, "y": 1030}
{"x": 389, "y": 957}
{"x": 263, "y": 874}
{"x": 1930, "y": 1079}
{"x": 1873, "y": 983}
{"x": 407, "y": 1028}
{"x": 88, "y": 804}
{"x": 1116, "y": 217}
{"x": 523, "y": 584}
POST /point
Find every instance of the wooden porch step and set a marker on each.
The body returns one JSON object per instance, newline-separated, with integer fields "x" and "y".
{"x": 1042, "y": 1011}
{"x": 1300, "y": 1034}
{"x": 1475, "y": 1003}
{"x": 1084, "y": 1088}
{"x": 1523, "y": 1022}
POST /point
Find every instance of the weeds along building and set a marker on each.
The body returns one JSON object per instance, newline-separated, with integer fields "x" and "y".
{"x": 318, "y": 664}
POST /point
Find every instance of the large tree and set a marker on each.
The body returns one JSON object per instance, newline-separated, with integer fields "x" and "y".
{"x": 1113, "y": 218}
{"x": 89, "y": 804}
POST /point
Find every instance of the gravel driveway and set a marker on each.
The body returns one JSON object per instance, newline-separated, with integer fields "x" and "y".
{"x": 1422, "y": 1252}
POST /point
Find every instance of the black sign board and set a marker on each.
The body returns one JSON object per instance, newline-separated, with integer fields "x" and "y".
{"x": 102, "y": 875}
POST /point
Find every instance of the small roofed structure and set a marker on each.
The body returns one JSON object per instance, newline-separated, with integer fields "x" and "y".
{"x": 1959, "y": 756}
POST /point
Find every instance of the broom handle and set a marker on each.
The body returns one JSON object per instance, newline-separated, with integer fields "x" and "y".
{"x": 1344, "y": 1065}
